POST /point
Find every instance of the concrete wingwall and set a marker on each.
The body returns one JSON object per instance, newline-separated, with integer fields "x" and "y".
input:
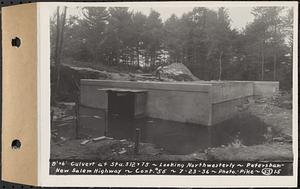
{"x": 265, "y": 88}
{"x": 204, "y": 103}
{"x": 227, "y": 97}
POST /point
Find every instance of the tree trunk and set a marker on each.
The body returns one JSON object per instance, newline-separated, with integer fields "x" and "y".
{"x": 220, "y": 64}
{"x": 63, "y": 21}
{"x": 182, "y": 55}
{"x": 138, "y": 55}
{"x": 146, "y": 59}
{"x": 60, "y": 30}
{"x": 262, "y": 63}
{"x": 56, "y": 60}
{"x": 263, "y": 56}
{"x": 57, "y": 37}
{"x": 275, "y": 51}
{"x": 274, "y": 73}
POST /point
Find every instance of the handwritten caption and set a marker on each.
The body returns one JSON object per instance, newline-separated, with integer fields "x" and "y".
{"x": 77, "y": 167}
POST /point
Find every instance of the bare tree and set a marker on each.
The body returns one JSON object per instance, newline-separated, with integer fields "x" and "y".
{"x": 61, "y": 19}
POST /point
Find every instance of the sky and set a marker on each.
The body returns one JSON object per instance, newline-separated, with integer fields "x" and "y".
{"x": 239, "y": 16}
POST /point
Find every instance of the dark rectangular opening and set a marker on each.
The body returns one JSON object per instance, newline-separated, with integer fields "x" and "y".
{"x": 120, "y": 105}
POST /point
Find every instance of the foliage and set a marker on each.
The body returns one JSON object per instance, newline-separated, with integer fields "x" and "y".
{"x": 202, "y": 39}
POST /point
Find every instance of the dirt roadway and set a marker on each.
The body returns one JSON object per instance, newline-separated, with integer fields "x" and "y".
{"x": 278, "y": 145}
{"x": 110, "y": 149}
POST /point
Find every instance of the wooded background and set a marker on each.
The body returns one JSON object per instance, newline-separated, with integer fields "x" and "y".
{"x": 202, "y": 39}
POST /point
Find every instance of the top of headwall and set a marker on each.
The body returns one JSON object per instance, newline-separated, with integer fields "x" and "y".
{"x": 202, "y": 82}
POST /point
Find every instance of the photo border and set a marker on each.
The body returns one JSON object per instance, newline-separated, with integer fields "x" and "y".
{"x": 148, "y": 180}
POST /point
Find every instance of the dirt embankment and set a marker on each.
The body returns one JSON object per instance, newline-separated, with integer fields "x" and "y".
{"x": 275, "y": 112}
{"x": 70, "y": 75}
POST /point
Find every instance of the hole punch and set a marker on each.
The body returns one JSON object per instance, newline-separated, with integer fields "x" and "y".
{"x": 16, "y": 144}
{"x": 16, "y": 42}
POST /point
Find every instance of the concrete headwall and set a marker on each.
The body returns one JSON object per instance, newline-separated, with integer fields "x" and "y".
{"x": 205, "y": 103}
{"x": 182, "y": 102}
{"x": 90, "y": 96}
{"x": 182, "y": 106}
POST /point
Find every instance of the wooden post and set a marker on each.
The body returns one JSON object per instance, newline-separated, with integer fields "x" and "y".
{"x": 137, "y": 140}
{"x": 210, "y": 136}
{"x": 106, "y": 123}
{"x": 220, "y": 65}
{"x": 52, "y": 113}
{"x": 77, "y": 119}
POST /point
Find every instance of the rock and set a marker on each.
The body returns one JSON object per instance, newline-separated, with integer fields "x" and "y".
{"x": 123, "y": 151}
{"x": 175, "y": 72}
{"x": 84, "y": 142}
{"x": 99, "y": 138}
{"x": 67, "y": 118}
{"x": 139, "y": 71}
{"x": 97, "y": 117}
{"x": 199, "y": 156}
{"x": 278, "y": 139}
{"x": 288, "y": 104}
{"x": 68, "y": 105}
{"x": 63, "y": 138}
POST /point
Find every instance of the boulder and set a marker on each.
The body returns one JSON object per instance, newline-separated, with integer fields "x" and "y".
{"x": 175, "y": 72}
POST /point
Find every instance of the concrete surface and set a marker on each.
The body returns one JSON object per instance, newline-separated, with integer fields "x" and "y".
{"x": 200, "y": 102}
{"x": 170, "y": 101}
{"x": 265, "y": 88}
